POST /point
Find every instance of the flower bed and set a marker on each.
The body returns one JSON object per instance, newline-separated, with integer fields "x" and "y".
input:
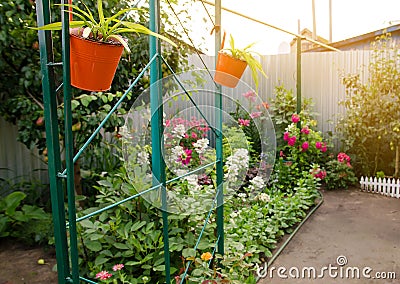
{"x": 257, "y": 212}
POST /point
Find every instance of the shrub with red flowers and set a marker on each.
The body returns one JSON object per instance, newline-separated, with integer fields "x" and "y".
{"x": 339, "y": 172}
{"x": 304, "y": 146}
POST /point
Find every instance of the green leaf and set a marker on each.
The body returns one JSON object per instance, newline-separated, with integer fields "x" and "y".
{"x": 120, "y": 246}
{"x": 159, "y": 268}
{"x": 12, "y": 201}
{"x": 137, "y": 226}
{"x": 100, "y": 260}
{"x": 93, "y": 245}
{"x": 189, "y": 252}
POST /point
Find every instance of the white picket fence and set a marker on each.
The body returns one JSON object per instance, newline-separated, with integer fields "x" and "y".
{"x": 386, "y": 186}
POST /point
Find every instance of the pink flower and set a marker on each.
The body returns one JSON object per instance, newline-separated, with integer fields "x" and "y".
{"x": 305, "y": 130}
{"x": 194, "y": 135}
{"x": 185, "y": 157}
{"x": 281, "y": 154}
{"x": 167, "y": 123}
{"x": 286, "y": 136}
{"x": 255, "y": 114}
{"x": 186, "y": 136}
{"x": 118, "y": 267}
{"x": 244, "y": 122}
{"x": 103, "y": 275}
{"x": 324, "y": 148}
{"x": 318, "y": 173}
{"x": 305, "y": 146}
{"x": 292, "y": 141}
{"x": 250, "y": 95}
{"x": 318, "y": 145}
{"x": 342, "y": 157}
{"x": 321, "y": 175}
{"x": 295, "y": 118}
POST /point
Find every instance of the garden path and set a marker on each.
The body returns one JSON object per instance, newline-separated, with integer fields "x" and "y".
{"x": 363, "y": 227}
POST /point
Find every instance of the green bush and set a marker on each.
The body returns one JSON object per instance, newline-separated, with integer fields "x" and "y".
{"x": 371, "y": 125}
{"x": 27, "y": 223}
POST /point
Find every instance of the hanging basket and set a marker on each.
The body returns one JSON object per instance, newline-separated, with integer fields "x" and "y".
{"x": 229, "y": 70}
{"x": 93, "y": 64}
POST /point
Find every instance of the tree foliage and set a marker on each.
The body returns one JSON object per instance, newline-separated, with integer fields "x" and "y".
{"x": 21, "y": 91}
{"x": 371, "y": 125}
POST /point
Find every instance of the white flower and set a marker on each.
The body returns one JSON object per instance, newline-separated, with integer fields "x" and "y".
{"x": 236, "y": 162}
{"x": 200, "y": 145}
{"x": 177, "y": 151}
{"x": 179, "y": 130}
{"x": 242, "y": 196}
{"x": 193, "y": 182}
{"x": 233, "y": 215}
{"x": 180, "y": 172}
{"x": 263, "y": 197}
{"x": 143, "y": 158}
{"x": 257, "y": 183}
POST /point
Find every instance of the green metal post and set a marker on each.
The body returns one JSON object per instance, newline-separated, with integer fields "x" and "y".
{"x": 218, "y": 144}
{"x": 298, "y": 83}
{"x": 52, "y": 142}
{"x": 156, "y": 106}
{"x": 69, "y": 146}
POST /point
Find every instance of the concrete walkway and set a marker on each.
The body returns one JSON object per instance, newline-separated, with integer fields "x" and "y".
{"x": 357, "y": 228}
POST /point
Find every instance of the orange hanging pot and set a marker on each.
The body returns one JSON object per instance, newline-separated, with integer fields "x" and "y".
{"x": 229, "y": 70}
{"x": 93, "y": 64}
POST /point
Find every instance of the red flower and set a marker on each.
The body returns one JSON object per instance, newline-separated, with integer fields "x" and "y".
{"x": 103, "y": 275}
{"x": 305, "y": 146}
{"x": 118, "y": 267}
{"x": 185, "y": 157}
{"x": 305, "y": 130}
{"x": 244, "y": 122}
{"x": 318, "y": 145}
{"x": 342, "y": 158}
{"x": 286, "y": 136}
{"x": 292, "y": 141}
{"x": 250, "y": 95}
{"x": 255, "y": 114}
{"x": 295, "y": 118}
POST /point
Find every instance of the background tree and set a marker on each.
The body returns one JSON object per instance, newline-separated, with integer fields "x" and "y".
{"x": 21, "y": 91}
{"x": 371, "y": 124}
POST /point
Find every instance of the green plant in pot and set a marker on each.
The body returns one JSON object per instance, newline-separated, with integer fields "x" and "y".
{"x": 233, "y": 61}
{"x": 97, "y": 44}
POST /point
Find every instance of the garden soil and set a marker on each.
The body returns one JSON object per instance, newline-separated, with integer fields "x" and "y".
{"x": 19, "y": 264}
{"x": 363, "y": 227}
{"x": 353, "y": 228}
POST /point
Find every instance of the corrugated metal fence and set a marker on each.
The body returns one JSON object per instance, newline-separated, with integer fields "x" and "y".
{"x": 321, "y": 78}
{"x": 321, "y": 73}
{"x": 17, "y": 163}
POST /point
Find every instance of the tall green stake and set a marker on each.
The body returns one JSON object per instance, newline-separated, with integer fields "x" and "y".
{"x": 156, "y": 106}
{"x": 218, "y": 144}
{"x": 298, "y": 81}
{"x": 69, "y": 146}
{"x": 52, "y": 143}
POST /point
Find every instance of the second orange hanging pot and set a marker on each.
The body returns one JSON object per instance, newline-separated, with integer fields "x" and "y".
{"x": 229, "y": 70}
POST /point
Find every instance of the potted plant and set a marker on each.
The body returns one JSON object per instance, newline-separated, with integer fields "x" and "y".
{"x": 96, "y": 45}
{"x": 233, "y": 61}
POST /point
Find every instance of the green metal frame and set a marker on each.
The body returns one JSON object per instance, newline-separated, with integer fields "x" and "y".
{"x": 62, "y": 181}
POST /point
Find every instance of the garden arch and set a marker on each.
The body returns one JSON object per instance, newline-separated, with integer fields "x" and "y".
{"x": 66, "y": 232}
{"x": 60, "y": 178}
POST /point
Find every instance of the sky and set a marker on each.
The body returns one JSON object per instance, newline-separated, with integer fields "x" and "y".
{"x": 349, "y": 18}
